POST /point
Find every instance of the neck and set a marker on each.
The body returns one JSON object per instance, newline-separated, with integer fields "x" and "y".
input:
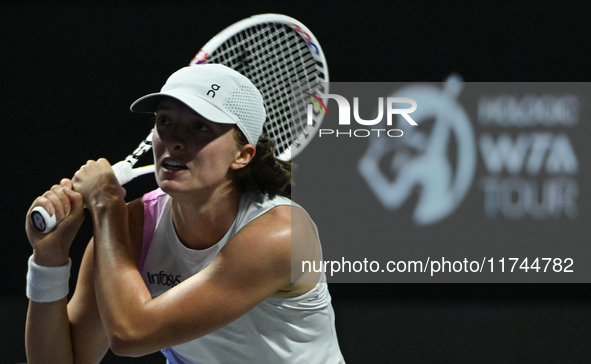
{"x": 203, "y": 220}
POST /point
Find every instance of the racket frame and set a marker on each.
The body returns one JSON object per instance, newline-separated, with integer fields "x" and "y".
{"x": 306, "y": 132}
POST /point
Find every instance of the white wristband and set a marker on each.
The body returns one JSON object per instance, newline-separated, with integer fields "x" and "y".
{"x": 47, "y": 284}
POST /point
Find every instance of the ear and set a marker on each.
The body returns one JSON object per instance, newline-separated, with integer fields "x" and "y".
{"x": 244, "y": 156}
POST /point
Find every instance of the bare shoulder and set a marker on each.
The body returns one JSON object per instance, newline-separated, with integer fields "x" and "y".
{"x": 282, "y": 226}
{"x": 285, "y": 236}
{"x": 285, "y": 217}
{"x": 268, "y": 237}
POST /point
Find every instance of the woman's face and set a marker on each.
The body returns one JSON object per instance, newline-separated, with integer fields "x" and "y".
{"x": 191, "y": 153}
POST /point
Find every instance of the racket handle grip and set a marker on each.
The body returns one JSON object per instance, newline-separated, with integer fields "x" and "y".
{"x": 125, "y": 173}
{"x": 44, "y": 222}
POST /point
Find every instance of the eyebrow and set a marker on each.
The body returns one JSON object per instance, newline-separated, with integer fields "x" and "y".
{"x": 168, "y": 108}
{"x": 165, "y": 108}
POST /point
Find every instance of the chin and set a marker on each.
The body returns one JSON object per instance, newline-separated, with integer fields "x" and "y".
{"x": 172, "y": 187}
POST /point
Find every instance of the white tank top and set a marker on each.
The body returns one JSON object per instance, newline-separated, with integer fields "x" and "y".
{"x": 279, "y": 330}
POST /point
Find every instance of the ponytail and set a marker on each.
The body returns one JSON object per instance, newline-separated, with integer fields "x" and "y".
{"x": 264, "y": 172}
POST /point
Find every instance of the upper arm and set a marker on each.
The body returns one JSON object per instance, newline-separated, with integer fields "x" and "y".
{"x": 252, "y": 266}
{"x": 305, "y": 248}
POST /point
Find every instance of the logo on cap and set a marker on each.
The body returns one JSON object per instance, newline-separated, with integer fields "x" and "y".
{"x": 214, "y": 88}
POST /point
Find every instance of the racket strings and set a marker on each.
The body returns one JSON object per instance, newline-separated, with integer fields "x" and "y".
{"x": 274, "y": 57}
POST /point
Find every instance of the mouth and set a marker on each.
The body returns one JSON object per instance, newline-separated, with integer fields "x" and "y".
{"x": 173, "y": 165}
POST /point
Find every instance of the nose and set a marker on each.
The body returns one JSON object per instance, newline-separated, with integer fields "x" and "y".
{"x": 174, "y": 138}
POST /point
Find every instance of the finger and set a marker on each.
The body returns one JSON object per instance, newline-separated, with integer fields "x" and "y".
{"x": 104, "y": 166}
{"x": 67, "y": 228}
{"x": 58, "y": 200}
{"x": 85, "y": 167}
{"x": 77, "y": 213}
{"x": 66, "y": 183}
{"x": 64, "y": 199}
{"x": 79, "y": 175}
{"x": 103, "y": 161}
{"x": 43, "y": 202}
{"x": 76, "y": 200}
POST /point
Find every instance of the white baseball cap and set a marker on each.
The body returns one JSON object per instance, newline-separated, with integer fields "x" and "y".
{"x": 216, "y": 92}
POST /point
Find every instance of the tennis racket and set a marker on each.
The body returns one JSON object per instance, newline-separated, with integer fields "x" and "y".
{"x": 279, "y": 55}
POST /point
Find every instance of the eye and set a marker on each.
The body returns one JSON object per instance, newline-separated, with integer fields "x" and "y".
{"x": 162, "y": 120}
{"x": 201, "y": 127}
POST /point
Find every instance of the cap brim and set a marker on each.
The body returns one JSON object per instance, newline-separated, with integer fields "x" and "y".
{"x": 149, "y": 104}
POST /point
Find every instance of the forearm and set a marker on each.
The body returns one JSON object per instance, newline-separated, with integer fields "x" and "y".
{"x": 120, "y": 290}
{"x": 60, "y": 333}
{"x": 47, "y": 336}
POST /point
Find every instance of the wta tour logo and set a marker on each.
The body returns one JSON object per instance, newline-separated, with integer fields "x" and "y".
{"x": 529, "y": 163}
{"x": 395, "y": 168}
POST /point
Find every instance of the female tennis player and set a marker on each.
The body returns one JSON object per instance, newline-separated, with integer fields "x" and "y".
{"x": 200, "y": 268}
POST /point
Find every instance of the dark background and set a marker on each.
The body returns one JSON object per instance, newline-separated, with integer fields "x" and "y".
{"x": 70, "y": 71}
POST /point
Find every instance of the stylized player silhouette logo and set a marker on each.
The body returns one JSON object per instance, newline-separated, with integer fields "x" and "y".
{"x": 420, "y": 158}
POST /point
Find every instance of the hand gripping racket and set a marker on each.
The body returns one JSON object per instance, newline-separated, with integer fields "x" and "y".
{"x": 275, "y": 52}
